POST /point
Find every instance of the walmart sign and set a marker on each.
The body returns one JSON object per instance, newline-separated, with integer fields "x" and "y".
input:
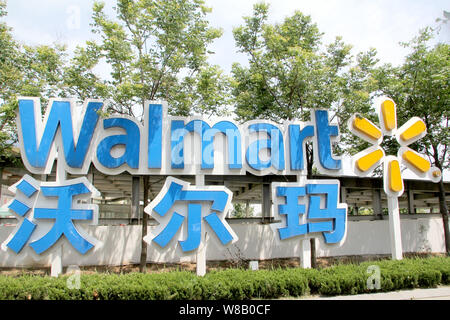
{"x": 160, "y": 144}
{"x": 164, "y": 145}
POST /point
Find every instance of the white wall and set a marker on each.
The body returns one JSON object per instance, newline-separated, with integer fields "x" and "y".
{"x": 122, "y": 244}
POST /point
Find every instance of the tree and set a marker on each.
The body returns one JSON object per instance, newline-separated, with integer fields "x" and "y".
{"x": 79, "y": 77}
{"x": 24, "y": 71}
{"x": 9, "y": 79}
{"x": 421, "y": 87}
{"x": 359, "y": 85}
{"x": 242, "y": 211}
{"x": 290, "y": 72}
{"x": 156, "y": 49}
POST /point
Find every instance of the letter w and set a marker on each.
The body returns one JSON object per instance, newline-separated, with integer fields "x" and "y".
{"x": 60, "y": 115}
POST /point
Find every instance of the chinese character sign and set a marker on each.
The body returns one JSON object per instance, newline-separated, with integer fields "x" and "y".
{"x": 48, "y": 211}
{"x": 186, "y": 212}
{"x": 308, "y": 210}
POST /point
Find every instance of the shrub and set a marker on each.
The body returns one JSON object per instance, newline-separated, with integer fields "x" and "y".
{"x": 232, "y": 284}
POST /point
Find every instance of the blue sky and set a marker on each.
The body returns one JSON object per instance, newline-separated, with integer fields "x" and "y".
{"x": 381, "y": 24}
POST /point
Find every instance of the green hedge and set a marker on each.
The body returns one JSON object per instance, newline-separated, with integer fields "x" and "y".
{"x": 233, "y": 283}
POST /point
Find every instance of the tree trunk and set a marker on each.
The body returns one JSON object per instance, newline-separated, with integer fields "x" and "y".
{"x": 309, "y": 171}
{"x": 143, "y": 262}
{"x": 445, "y": 214}
{"x": 312, "y": 243}
{"x": 442, "y": 201}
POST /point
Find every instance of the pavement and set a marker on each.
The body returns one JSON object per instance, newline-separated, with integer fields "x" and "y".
{"x": 439, "y": 293}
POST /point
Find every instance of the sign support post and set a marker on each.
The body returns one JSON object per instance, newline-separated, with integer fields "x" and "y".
{"x": 305, "y": 253}
{"x": 394, "y": 228}
{"x": 305, "y": 244}
{"x": 201, "y": 252}
{"x": 57, "y": 263}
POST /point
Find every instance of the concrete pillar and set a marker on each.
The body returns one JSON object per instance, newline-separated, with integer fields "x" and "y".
{"x": 376, "y": 203}
{"x": 90, "y": 177}
{"x": 410, "y": 197}
{"x": 266, "y": 202}
{"x": 343, "y": 194}
{"x": 61, "y": 174}
{"x": 135, "y": 191}
{"x": 247, "y": 208}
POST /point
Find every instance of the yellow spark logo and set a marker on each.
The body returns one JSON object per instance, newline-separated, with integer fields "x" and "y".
{"x": 366, "y": 161}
